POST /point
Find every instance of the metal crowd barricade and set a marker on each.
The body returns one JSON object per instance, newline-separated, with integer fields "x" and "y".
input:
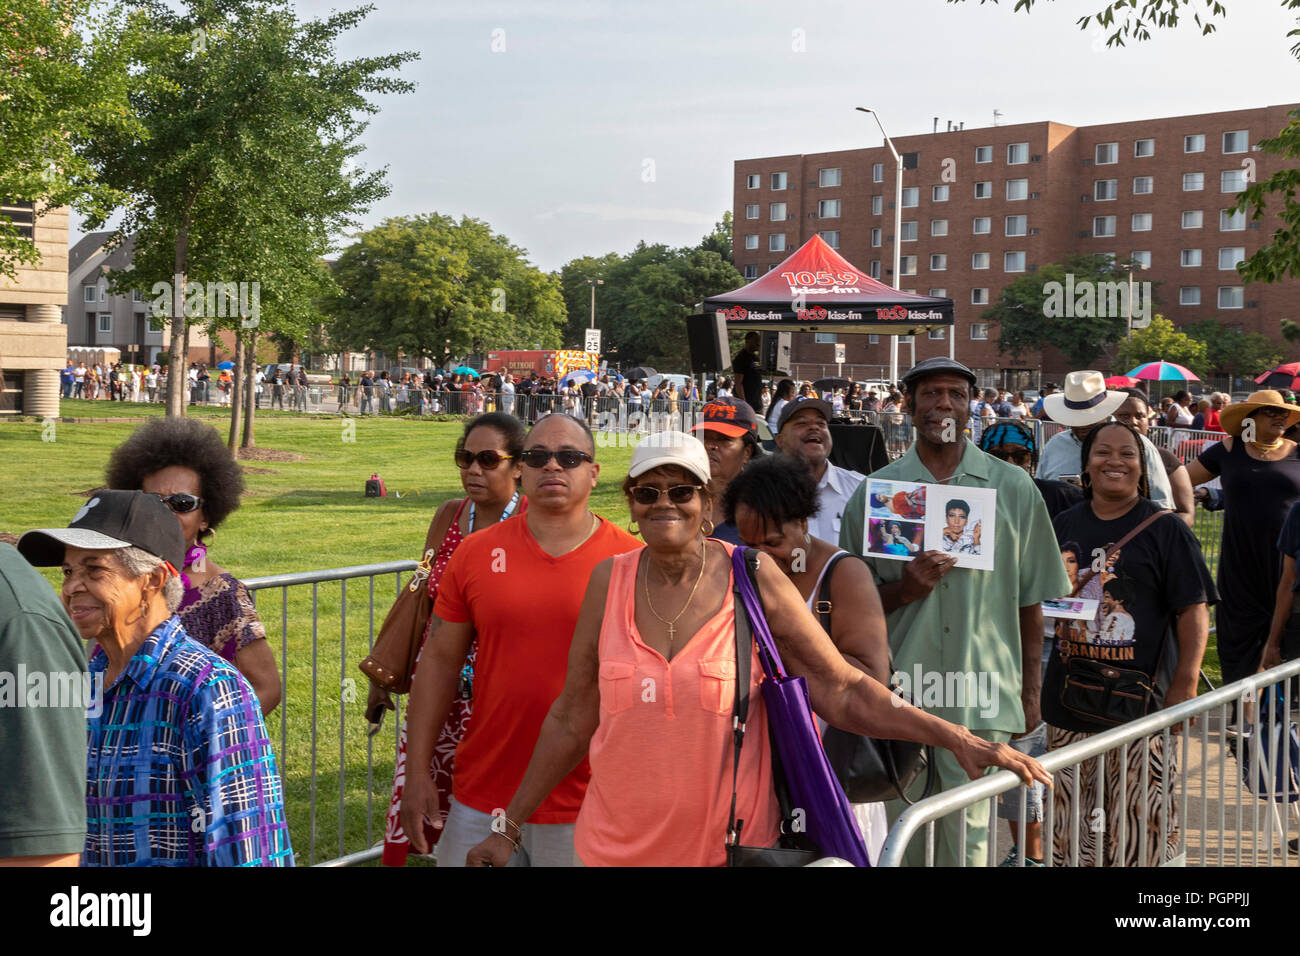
{"x": 1185, "y": 443}
{"x": 319, "y": 770}
{"x": 1214, "y": 817}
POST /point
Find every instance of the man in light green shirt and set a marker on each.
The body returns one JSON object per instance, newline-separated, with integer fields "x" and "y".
{"x": 968, "y": 643}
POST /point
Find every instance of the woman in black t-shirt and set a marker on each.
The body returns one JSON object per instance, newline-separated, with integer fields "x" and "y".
{"x": 1152, "y": 616}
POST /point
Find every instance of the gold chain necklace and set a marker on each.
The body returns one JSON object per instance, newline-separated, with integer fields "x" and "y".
{"x": 672, "y": 629}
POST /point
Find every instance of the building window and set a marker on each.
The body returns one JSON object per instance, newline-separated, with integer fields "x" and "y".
{"x": 979, "y": 330}
{"x": 877, "y": 205}
{"x": 875, "y": 238}
{"x": 776, "y": 212}
{"x": 907, "y": 265}
{"x": 979, "y": 296}
{"x": 982, "y": 225}
{"x": 751, "y": 181}
{"x": 911, "y": 197}
{"x": 905, "y": 340}
{"x": 936, "y": 335}
{"x": 1017, "y": 153}
{"x": 771, "y": 266}
{"x": 824, "y": 338}
{"x": 1232, "y": 180}
{"x": 939, "y": 293}
{"x": 776, "y": 242}
{"x": 1144, "y": 147}
{"x": 1189, "y": 295}
{"x": 106, "y": 321}
{"x": 938, "y": 263}
{"x": 828, "y": 209}
{"x": 1194, "y": 143}
{"x": 983, "y": 154}
{"x": 979, "y": 260}
{"x": 984, "y": 190}
{"x": 1107, "y": 153}
{"x": 873, "y": 269}
{"x": 1191, "y": 258}
{"x": 751, "y": 210}
{"x": 938, "y": 227}
{"x": 877, "y": 172}
{"x": 1103, "y": 226}
{"x": 1104, "y": 189}
{"x": 873, "y": 339}
{"x": 88, "y": 293}
{"x": 1191, "y": 219}
{"x": 1013, "y": 262}
{"x": 1017, "y": 189}
{"x": 1235, "y": 141}
{"x": 1229, "y": 256}
{"x": 778, "y": 181}
{"x": 136, "y": 296}
{"x": 1141, "y": 222}
{"x": 832, "y": 237}
{"x": 908, "y": 233}
{"x": 939, "y": 193}
{"x": 1193, "y": 182}
{"x": 1143, "y": 185}
{"x": 826, "y": 178}
{"x": 751, "y": 272}
{"x": 1142, "y": 258}
{"x": 1232, "y": 220}
{"x": 751, "y": 242}
{"x": 1230, "y": 297}
{"x": 1017, "y": 225}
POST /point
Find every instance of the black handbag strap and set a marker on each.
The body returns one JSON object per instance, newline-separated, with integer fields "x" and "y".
{"x": 823, "y": 607}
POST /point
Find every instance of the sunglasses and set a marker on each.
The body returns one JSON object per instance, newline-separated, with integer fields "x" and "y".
{"x": 1016, "y": 457}
{"x": 487, "y": 460}
{"x": 181, "y": 503}
{"x": 677, "y": 494}
{"x": 568, "y": 458}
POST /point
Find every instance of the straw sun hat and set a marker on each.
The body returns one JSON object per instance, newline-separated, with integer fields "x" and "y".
{"x": 1232, "y": 418}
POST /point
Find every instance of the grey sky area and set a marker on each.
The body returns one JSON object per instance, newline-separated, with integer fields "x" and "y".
{"x": 578, "y": 127}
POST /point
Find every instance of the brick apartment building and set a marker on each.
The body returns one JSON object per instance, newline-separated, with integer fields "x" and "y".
{"x": 983, "y": 206}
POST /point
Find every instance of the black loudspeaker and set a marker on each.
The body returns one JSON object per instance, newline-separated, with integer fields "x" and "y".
{"x": 774, "y": 352}
{"x": 707, "y": 335}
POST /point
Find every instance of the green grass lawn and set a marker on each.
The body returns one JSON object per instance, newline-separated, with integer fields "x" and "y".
{"x": 300, "y": 516}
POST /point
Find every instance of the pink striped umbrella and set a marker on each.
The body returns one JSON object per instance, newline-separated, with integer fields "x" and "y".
{"x": 1163, "y": 372}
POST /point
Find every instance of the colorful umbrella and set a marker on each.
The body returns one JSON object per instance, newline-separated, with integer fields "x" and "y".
{"x": 464, "y": 370}
{"x": 1120, "y": 381}
{"x": 579, "y": 375}
{"x": 227, "y": 366}
{"x": 1163, "y": 372}
{"x": 1284, "y": 376}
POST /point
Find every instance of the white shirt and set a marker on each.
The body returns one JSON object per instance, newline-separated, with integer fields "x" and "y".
{"x": 774, "y": 416}
{"x": 833, "y": 493}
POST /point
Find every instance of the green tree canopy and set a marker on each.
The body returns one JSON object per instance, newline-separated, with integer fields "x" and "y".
{"x": 432, "y": 287}
{"x": 577, "y": 294}
{"x": 1160, "y": 341}
{"x": 1230, "y": 351}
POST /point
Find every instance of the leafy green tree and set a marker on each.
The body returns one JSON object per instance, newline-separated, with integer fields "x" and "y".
{"x": 1231, "y": 351}
{"x": 433, "y": 287}
{"x": 62, "y": 73}
{"x": 577, "y": 294}
{"x": 719, "y": 240}
{"x": 249, "y": 124}
{"x": 1161, "y": 341}
{"x": 1075, "y": 306}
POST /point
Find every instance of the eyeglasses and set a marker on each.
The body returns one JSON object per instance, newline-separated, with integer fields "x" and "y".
{"x": 677, "y": 494}
{"x": 540, "y": 457}
{"x": 1020, "y": 457}
{"x": 181, "y": 503}
{"x": 487, "y": 460}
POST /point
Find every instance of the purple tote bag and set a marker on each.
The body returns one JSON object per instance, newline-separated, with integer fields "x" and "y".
{"x": 808, "y": 775}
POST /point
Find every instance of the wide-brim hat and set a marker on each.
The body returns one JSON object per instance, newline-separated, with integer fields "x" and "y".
{"x": 1083, "y": 401}
{"x": 1232, "y": 419}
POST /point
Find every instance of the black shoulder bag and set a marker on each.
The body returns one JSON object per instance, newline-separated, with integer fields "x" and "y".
{"x": 871, "y": 770}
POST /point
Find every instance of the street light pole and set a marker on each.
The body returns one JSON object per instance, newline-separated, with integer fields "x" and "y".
{"x": 898, "y": 236}
{"x": 593, "y": 283}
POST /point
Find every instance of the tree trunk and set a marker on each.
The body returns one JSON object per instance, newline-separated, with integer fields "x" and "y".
{"x": 236, "y": 392}
{"x": 177, "y": 350}
{"x": 249, "y": 397}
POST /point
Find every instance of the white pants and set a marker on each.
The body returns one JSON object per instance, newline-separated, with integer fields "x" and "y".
{"x": 542, "y": 844}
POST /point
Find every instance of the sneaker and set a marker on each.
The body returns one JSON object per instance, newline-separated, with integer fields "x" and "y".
{"x": 1013, "y": 859}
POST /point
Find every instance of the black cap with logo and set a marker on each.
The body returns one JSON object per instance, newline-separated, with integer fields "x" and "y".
{"x": 111, "y": 520}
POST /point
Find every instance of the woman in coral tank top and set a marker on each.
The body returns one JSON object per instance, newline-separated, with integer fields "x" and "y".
{"x": 652, "y": 680}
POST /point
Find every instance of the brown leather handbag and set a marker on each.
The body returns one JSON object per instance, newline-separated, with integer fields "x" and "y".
{"x": 391, "y": 661}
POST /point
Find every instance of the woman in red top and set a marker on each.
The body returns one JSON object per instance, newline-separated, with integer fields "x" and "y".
{"x": 488, "y": 457}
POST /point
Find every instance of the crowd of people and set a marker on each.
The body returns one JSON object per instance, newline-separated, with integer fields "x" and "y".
{"x": 606, "y": 730}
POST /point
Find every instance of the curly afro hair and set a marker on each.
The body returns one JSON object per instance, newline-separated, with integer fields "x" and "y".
{"x": 776, "y": 488}
{"x": 163, "y": 442}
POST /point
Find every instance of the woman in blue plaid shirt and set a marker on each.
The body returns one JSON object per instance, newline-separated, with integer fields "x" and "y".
{"x": 179, "y": 769}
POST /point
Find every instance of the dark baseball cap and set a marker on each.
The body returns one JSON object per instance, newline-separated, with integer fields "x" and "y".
{"x": 730, "y": 416}
{"x": 111, "y": 520}
{"x": 796, "y": 405}
{"x": 937, "y": 366}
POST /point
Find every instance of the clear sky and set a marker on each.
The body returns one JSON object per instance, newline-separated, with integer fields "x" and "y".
{"x": 578, "y": 127}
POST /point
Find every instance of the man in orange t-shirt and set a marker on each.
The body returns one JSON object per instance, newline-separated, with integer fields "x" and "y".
{"x": 519, "y": 587}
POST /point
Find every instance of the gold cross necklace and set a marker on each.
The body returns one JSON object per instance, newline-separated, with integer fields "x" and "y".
{"x": 672, "y": 628}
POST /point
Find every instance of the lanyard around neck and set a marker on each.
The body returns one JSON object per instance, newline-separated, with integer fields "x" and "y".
{"x": 510, "y": 509}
